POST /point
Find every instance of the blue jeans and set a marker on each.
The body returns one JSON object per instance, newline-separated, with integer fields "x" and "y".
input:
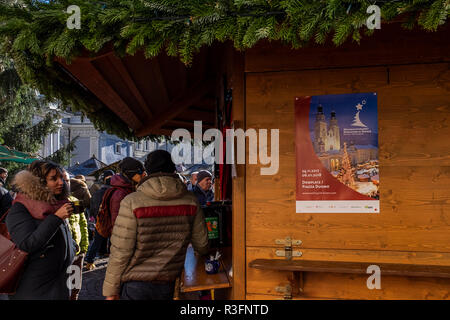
{"x": 95, "y": 246}
{"x": 140, "y": 290}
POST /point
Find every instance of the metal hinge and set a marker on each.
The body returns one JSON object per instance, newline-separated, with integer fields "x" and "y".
{"x": 286, "y": 290}
{"x": 288, "y": 253}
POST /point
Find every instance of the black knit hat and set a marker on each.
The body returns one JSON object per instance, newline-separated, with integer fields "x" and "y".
{"x": 202, "y": 175}
{"x": 107, "y": 173}
{"x": 159, "y": 161}
{"x": 129, "y": 167}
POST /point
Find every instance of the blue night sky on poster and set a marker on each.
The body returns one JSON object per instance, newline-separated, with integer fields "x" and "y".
{"x": 346, "y": 107}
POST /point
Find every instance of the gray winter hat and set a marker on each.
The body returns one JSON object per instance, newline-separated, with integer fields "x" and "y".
{"x": 203, "y": 175}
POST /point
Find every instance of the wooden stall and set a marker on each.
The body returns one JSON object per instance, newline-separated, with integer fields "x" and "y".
{"x": 410, "y": 73}
{"x": 409, "y": 239}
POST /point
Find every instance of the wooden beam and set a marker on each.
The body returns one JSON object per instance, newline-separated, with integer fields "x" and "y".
{"x": 172, "y": 125}
{"x": 206, "y": 104}
{"x": 193, "y": 114}
{"x": 158, "y": 79}
{"x": 126, "y": 77}
{"x": 239, "y": 183}
{"x": 107, "y": 50}
{"x": 387, "y": 269}
{"x": 392, "y": 45}
{"x": 162, "y": 131}
{"x": 182, "y": 71}
{"x": 186, "y": 124}
{"x": 184, "y": 101}
{"x": 87, "y": 74}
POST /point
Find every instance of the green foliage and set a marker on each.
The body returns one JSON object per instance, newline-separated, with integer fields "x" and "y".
{"x": 18, "y": 104}
{"x": 35, "y": 33}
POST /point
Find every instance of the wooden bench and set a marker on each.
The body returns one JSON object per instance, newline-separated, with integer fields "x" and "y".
{"x": 407, "y": 270}
{"x": 298, "y": 267}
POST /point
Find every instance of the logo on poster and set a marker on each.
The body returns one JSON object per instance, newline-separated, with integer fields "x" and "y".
{"x": 360, "y": 127}
{"x": 356, "y": 121}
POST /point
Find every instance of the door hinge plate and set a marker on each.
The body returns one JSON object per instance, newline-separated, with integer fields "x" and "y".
{"x": 288, "y": 242}
{"x": 288, "y": 253}
{"x": 286, "y": 290}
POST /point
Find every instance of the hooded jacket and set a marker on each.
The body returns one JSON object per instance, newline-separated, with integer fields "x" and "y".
{"x": 35, "y": 229}
{"x": 5, "y": 200}
{"x": 152, "y": 231}
{"x": 123, "y": 187}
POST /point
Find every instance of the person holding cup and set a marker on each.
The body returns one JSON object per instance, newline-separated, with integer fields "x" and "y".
{"x": 37, "y": 225}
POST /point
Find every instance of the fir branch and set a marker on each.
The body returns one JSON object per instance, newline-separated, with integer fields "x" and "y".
{"x": 35, "y": 32}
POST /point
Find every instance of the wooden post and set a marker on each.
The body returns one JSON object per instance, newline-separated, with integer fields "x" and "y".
{"x": 239, "y": 256}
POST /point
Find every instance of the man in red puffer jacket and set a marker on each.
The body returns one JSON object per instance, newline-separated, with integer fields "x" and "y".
{"x": 131, "y": 173}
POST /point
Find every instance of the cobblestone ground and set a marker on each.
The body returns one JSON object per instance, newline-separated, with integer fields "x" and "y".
{"x": 91, "y": 287}
{"x": 92, "y": 284}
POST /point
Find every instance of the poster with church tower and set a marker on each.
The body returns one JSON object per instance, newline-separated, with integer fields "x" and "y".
{"x": 337, "y": 153}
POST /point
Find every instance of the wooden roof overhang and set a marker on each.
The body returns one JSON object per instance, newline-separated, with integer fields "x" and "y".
{"x": 158, "y": 95}
{"x": 153, "y": 96}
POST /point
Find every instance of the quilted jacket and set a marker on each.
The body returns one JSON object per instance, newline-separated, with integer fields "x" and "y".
{"x": 79, "y": 230}
{"x": 152, "y": 231}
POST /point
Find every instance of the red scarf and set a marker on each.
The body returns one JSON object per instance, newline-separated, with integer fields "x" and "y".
{"x": 39, "y": 209}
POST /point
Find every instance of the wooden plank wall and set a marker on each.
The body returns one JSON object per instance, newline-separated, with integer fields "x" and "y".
{"x": 238, "y": 200}
{"x": 414, "y": 153}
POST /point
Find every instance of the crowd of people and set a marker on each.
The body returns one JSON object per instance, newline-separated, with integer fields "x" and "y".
{"x": 143, "y": 218}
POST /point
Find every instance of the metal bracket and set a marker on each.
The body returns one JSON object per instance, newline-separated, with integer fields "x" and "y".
{"x": 288, "y": 253}
{"x": 288, "y": 242}
{"x": 287, "y": 290}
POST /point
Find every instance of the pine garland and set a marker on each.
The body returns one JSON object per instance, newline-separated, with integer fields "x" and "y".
{"x": 35, "y": 32}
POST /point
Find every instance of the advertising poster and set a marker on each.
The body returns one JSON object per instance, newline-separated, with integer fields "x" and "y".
{"x": 337, "y": 154}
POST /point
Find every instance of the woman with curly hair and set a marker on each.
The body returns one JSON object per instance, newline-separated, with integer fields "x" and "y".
{"x": 37, "y": 225}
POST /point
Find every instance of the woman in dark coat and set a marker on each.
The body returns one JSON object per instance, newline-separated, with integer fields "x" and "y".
{"x": 36, "y": 223}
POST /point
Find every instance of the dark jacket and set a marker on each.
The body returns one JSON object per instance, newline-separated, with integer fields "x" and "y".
{"x": 48, "y": 242}
{"x": 96, "y": 200}
{"x": 79, "y": 190}
{"x": 95, "y": 187}
{"x": 202, "y": 196}
{"x": 5, "y": 201}
{"x": 152, "y": 232}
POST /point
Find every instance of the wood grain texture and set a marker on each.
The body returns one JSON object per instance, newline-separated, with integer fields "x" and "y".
{"x": 239, "y": 189}
{"x": 410, "y": 73}
{"x": 251, "y": 296}
{"x": 345, "y": 286}
{"x": 414, "y": 161}
{"x": 390, "y": 269}
{"x": 388, "y": 46}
